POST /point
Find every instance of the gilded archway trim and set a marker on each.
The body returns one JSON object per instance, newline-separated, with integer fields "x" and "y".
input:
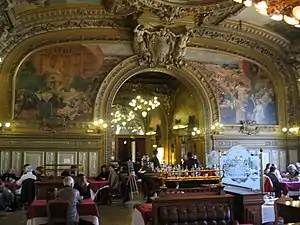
{"x": 189, "y": 75}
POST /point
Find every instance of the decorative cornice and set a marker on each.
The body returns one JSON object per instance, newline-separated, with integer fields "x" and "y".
{"x": 57, "y": 19}
{"x": 263, "y": 34}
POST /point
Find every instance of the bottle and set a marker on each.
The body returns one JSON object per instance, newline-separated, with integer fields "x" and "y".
{"x": 55, "y": 192}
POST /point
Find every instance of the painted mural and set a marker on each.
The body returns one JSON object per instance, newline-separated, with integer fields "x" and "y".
{"x": 59, "y": 82}
{"x": 244, "y": 92}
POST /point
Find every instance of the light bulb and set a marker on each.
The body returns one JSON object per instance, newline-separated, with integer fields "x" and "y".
{"x": 105, "y": 125}
{"x": 100, "y": 121}
{"x": 193, "y": 133}
{"x": 290, "y": 20}
{"x": 296, "y": 12}
{"x": 276, "y": 17}
{"x": 284, "y": 129}
{"x": 7, "y": 125}
{"x": 261, "y": 5}
{"x": 248, "y": 3}
{"x": 144, "y": 113}
{"x": 96, "y": 123}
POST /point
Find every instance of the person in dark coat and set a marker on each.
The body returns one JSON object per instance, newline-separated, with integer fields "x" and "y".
{"x": 83, "y": 186}
{"x": 155, "y": 160}
{"x": 103, "y": 174}
{"x": 190, "y": 162}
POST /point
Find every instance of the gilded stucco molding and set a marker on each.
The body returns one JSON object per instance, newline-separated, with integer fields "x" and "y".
{"x": 129, "y": 67}
{"x": 265, "y": 35}
{"x": 42, "y": 21}
{"x": 169, "y": 12}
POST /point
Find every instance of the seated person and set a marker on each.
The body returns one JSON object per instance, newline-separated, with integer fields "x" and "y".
{"x": 277, "y": 172}
{"x": 293, "y": 173}
{"x": 9, "y": 176}
{"x": 39, "y": 171}
{"x": 71, "y": 172}
{"x": 103, "y": 174}
{"x": 273, "y": 177}
{"x": 113, "y": 179}
{"x": 71, "y": 195}
{"x": 83, "y": 186}
{"x": 28, "y": 174}
{"x": 267, "y": 168}
{"x": 6, "y": 198}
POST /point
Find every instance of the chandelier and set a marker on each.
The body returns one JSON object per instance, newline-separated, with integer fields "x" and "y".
{"x": 144, "y": 105}
{"x": 286, "y": 10}
{"x": 122, "y": 118}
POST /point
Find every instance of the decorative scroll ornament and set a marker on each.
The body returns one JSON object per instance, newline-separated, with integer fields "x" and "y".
{"x": 248, "y": 127}
{"x": 160, "y": 47}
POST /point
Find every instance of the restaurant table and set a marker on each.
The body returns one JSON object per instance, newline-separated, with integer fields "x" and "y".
{"x": 142, "y": 214}
{"x": 11, "y": 186}
{"x": 37, "y": 212}
{"x": 289, "y": 186}
{"x": 96, "y": 186}
{"x": 267, "y": 213}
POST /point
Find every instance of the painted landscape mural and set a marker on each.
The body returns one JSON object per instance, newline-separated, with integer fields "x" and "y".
{"x": 59, "y": 81}
{"x": 244, "y": 92}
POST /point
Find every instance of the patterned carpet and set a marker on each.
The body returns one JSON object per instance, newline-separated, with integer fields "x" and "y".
{"x": 114, "y": 214}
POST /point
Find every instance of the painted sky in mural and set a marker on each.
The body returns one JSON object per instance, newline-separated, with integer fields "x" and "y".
{"x": 59, "y": 82}
{"x": 243, "y": 89}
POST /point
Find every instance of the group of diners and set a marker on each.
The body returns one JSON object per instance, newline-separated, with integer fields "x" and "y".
{"x": 11, "y": 198}
{"x": 275, "y": 176}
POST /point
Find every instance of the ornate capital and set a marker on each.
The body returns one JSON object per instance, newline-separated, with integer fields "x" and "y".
{"x": 160, "y": 47}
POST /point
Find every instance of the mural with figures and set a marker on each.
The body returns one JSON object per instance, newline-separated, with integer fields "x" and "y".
{"x": 59, "y": 82}
{"x": 244, "y": 91}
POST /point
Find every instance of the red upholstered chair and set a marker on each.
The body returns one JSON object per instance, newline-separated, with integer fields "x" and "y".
{"x": 57, "y": 212}
{"x": 268, "y": 185}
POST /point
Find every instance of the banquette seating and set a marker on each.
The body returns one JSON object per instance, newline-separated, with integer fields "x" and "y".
{"x": 192, "y": 210}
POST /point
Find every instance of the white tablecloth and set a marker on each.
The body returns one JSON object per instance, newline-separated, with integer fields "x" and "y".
{"x": 267, "y": 213}
{"x": 137, "y": 218}
{"x": 44, "y": 220}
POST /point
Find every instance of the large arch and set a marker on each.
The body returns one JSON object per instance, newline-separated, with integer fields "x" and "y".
{"x": 130, "y": 67}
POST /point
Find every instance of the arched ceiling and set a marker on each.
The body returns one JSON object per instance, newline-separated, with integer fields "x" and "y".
{"x": 207, "y": 11}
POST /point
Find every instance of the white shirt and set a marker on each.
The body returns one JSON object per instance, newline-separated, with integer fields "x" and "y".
{"x": 26, "y": 176}
{"x": 277, "y": 174}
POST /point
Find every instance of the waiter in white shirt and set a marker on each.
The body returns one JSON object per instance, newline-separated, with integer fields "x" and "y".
{"x": 27, "y": 175}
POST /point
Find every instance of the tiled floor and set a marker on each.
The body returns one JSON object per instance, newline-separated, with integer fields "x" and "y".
{"x": 114, "y": 214}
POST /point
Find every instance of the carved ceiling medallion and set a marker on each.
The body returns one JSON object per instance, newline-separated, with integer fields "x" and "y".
{"x": 160, "y": 47}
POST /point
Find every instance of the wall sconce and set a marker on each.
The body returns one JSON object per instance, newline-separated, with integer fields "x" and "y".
{"x": 5, "y": 126}
{"x": 196, "y": 131}
{"x": 217, "y": 128}
{"x": 97, "y": 126}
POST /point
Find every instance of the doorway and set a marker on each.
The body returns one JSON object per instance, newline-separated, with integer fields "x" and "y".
{"x": 124, "y": 151}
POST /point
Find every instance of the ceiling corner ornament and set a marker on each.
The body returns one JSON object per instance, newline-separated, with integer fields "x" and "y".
{"x": 160, "y": 47}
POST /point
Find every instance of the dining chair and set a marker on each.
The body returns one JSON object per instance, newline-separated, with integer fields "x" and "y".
{"x": 279, "y": 200}
{"x": 57, "y": 212}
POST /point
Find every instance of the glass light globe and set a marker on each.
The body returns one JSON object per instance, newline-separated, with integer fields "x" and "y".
{"x": 284, "y": 129}
{"x": 290, "y": 20}
{"x": 276, "y": 17}
{"x": 296, "y": 12}
{"x": 261, "y": 5}
{"x": 248, "y": 3}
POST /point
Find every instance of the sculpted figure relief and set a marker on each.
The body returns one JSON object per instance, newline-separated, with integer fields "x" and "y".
{"x": 160, "y": 46}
